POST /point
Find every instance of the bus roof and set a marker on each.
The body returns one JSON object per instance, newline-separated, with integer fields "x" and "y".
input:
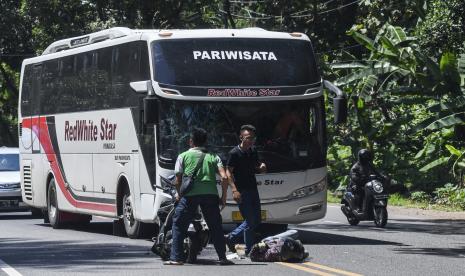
{"x": 122, "y": 33}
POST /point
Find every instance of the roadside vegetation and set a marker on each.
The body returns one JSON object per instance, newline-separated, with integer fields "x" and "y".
{"x": 401, "y": 63}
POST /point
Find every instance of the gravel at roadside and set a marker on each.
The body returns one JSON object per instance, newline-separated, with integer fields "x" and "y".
{"x": 421, "y": 213}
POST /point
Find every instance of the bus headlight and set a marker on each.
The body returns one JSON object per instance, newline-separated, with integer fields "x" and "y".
{"x": 309, "y": 190}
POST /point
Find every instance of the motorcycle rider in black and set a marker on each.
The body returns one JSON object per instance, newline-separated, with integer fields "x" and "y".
{"x": 360, "y": 175}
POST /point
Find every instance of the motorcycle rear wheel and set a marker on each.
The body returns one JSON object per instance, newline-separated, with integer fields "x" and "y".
{"x": 353, "y": 221}
{"x": 192, "y": 249}
{"x": 380, "y": 216}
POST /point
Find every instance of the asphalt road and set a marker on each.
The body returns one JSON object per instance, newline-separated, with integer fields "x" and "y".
{"x": 407, "y": 246}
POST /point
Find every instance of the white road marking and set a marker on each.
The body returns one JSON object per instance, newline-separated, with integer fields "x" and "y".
{"x": 8, "y": 269}
{"x": 330, "y": 221}
{"x": 334, "y": 206}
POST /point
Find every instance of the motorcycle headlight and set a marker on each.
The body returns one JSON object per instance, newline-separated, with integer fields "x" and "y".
{"x": 309, "y": 190}
{"x": 378, "y": 187}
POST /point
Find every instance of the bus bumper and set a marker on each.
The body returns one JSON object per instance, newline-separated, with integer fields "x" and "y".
{"x": 292, "y": 211}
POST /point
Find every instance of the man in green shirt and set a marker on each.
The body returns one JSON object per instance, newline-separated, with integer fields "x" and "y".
{"x": 203, "y": 193}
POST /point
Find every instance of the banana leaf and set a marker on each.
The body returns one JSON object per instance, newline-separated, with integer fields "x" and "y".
{"x": 434, "y": 164}
{"x": 451, "y": 120}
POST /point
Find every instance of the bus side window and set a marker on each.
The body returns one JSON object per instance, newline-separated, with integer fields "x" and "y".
{"x": 125, "y": 70}
{"x": 67, "y": 101}
{"x": 85, "y": 85}
{"x": 36, "y": 89}
{"x": 26, "y": 91}
{"x": 144, "y": 63}
{"x": 103, "y": 78}
{"x": 49, "y": 96}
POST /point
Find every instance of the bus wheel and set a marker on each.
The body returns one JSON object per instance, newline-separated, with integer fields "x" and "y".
{"x": 36, "y": 213}
{"x": 54, "y": 214}
{"x": 131, "y": 225}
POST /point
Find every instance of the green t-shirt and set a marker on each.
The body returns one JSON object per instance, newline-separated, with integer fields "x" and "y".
{"x": 205, "y": 180}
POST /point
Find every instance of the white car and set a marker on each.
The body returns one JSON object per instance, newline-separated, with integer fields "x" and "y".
{"x": 10, "y": 187}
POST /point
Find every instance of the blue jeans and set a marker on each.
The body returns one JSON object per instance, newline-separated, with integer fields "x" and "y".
{"x": 251, "y": 212}
{"x": 184, "y": 214}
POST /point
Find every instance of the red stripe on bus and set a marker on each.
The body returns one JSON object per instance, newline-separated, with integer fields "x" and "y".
{"x": 46, "y": 143}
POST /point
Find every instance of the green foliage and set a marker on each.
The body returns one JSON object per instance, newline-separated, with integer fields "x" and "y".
{"x": 443, "y": 29}
{"x": 420, "y": 196}
{"x": 450, "y": 195}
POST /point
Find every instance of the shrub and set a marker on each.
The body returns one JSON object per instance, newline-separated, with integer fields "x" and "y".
{"x": 420, "y": 196}
{"x": 451, "y": 196}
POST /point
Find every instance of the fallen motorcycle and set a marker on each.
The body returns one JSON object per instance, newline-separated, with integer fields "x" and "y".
{"x": 197, "y": 236}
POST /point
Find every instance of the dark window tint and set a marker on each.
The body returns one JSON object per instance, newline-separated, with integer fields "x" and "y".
{"x": 290, "y": 134}
{"x": 26, "y": 91}
{"x": 51, "y": 86}
{"x": 234, "y": 62}
{"x": 36, "y": 88}
{"x": 103, "y": 77}
{"x": 87, "y": 81}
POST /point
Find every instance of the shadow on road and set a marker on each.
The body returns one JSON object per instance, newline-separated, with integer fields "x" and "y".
{"x": 430, "y": 226}
{"x": 16, "y": 216}
{"x": 310, "y": 237}
{"x": 105, "y": 228}
{"x": 77, "y": 256}
{"x": 458, "y": 252}
{"x": 68, "y": 254}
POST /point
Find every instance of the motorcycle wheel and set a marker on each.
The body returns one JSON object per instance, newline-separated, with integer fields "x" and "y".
{"x": 380, "y": 215}
{"x": 350, "y": 218}
{"x": 353, "y": 221}
{"x": 192, "y": 250}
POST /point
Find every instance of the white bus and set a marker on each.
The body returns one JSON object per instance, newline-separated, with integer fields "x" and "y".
{"x": 102, "y": 118}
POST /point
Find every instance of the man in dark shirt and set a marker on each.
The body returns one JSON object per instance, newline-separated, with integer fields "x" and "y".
{"x": 360, "y": 175}
{"x": 241, "y": 167}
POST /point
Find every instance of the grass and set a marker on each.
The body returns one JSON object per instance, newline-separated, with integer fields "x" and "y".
{"x": 332, "y": 198}
{"x": 402, "y": 201}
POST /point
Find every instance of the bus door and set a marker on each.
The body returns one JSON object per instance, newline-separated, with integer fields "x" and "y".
{"x": 35, "y": 107}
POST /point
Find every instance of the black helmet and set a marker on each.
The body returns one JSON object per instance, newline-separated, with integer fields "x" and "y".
{"x": 292, "y": 250}
{"x": 365, "y": 156}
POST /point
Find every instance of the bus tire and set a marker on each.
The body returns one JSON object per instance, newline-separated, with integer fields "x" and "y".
{"x": 53, "y": 212}
{"x": 131, "y": 225}
{"x": 36, "y": 213}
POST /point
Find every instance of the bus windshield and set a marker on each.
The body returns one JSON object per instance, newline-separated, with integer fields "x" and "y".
{"x": 290, "y": 134}
{"x": 234, "y": 62}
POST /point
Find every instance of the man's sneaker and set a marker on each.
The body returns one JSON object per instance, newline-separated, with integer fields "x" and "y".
{"x": 172, "y": 263}
{"x": 225, "y": 262}
{"x": 230, "y": 244}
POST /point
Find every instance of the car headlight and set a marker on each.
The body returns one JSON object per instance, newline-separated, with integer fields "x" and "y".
{"x": 309, "y": 190}
{"x": 378, "y": 187}
{"x": 10, "y": 185}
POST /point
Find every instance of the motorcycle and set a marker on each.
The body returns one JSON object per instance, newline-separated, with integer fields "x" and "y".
{"x": 374, "y": 203}
{"x": 197, "y": 236}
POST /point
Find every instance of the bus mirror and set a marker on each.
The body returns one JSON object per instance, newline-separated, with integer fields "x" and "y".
{"x": 340, "y": 110}
{"x": 139, "y": 86}
{"x": 150, "y": 110}
{"x": 340, "y": 102}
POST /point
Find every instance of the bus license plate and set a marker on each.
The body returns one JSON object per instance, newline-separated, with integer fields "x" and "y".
{"x": 236, "y": 215}
{"x": 9, "y": 203}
